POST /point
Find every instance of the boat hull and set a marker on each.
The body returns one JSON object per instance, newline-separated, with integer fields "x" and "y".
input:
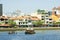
{"x": 29, "y": 32}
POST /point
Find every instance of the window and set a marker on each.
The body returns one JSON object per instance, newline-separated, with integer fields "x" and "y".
{"x": 29, "y": 21}
{"x": 23, "y": 22}
{"x": 42, "y": 19}
{"x": 2, "y": 19}
{"x": 50, "y": 22}
{"x": 25, "y": 19}
{"x": 42, "y": 16}
{"x": 55, "y": 12}
{"x": 50, "y": 19}
{"x": 20, "y": 20}
{"x": 47, "y": 22}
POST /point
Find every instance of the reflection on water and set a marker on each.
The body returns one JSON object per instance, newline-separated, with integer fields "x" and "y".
{"x": 40, "y": 35}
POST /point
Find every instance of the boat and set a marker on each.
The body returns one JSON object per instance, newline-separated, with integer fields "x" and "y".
{"x": 29, "y": 31}
{"x": 11, "y": 32}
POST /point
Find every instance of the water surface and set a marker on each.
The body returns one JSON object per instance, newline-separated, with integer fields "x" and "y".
{"x": 40, "y": 35}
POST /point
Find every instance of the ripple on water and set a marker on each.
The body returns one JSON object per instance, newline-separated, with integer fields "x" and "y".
{"x": 40, "y": 35}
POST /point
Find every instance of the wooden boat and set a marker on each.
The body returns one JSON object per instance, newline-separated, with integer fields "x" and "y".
{"x": 29, "y": 31}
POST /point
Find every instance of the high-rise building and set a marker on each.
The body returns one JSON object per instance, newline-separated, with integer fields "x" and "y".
{"x": 0, "y": 9}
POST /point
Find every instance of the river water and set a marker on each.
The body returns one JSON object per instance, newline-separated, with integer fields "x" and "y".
{"x": 40, "y": 35}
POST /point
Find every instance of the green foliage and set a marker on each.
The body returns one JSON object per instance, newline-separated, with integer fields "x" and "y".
{"x": 41, "y": 11}
{"x": 12, "y": 23}
{"x": 38, "y": 10}
{"x": 2, "y": 22}
{"x": 15, "y": 26}
{"x": 56, "y": 23}
{"x": 38, "y": 22}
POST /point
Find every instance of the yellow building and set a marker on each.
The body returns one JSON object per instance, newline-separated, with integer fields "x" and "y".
{"x": 56, "y": 14}
{"x": 54, "y": 18}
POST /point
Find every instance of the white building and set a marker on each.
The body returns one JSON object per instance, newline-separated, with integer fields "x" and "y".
{"x": 56, "y": 10}
{"x": 47, "y": 19}
{"x": 25, "y": 20}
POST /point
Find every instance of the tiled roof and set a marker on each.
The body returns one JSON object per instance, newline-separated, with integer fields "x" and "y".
{"x": 25, "y": 17}
{"x": 34, "y": 18}
{"x": 58, "y": 8}
{"x": 4, "y": 17}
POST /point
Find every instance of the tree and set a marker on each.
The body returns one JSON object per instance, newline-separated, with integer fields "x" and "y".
{"x": 12, "y": 23}
{"x": 56, "y": 23}
{"x": 38, "y": 23}
{"x": 40, "y": 11}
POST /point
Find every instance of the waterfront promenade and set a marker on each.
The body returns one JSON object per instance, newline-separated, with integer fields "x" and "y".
{"x": 24, "y": 28}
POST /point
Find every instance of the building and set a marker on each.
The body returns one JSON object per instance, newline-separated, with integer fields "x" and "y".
{"x": 0, "y": 9}
{"x": 56, "y": 11}
{"x": 25, "y": 21}
{"x": 50, "y": 13}
{"x": 55, "y": 14}
{"x": 46, "y": 19}
{"x": 54, "y": 18}
{"x": 4, "y": 22}
{"x": 43, "y": 15}
{"x": 39, "y": 13}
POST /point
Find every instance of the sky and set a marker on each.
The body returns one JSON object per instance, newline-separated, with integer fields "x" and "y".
{"x": 28, "y": 6}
